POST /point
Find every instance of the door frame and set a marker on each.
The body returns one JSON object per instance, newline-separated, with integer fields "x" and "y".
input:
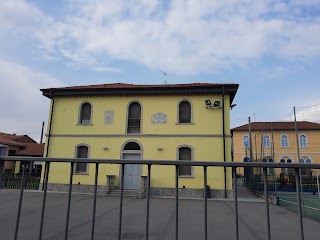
{"x": 138, "y": 152}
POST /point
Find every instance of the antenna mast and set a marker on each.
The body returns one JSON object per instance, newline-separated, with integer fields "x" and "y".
{"x": 165, "y": 76}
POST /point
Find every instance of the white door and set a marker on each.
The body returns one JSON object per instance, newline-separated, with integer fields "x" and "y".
{"x": 132, "y": 172}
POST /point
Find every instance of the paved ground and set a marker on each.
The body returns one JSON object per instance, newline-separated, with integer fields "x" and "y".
{"x": 284, "y": 224}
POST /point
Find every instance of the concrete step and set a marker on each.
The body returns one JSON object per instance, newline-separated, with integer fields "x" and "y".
{"x": 126, "y": 193}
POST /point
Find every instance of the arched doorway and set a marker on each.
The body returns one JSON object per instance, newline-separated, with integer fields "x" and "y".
{"x": 132, "y": 172}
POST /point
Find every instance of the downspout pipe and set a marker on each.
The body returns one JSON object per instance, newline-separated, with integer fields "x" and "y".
{"x": 224, "y": 143}
{"x": 50, "y": 123}
{"x": 49, "y": 134}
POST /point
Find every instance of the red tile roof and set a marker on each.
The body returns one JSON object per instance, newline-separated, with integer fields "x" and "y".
{"x": 28, "y": 147}
{"x": 128, "y": 85}
{"x": 7, "y": 141}
{"x": 258, "y": 126}
{"x": 32, "y": 149}
{"x": 18, "y": 138}
{"x": 120, "y": 89}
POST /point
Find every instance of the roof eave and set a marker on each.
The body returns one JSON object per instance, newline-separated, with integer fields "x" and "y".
{"x": 230, "y": 89}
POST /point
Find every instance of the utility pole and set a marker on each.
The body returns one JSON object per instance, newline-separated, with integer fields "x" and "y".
{"x": 41, "y": 137}
{"x": 298, "y": 152}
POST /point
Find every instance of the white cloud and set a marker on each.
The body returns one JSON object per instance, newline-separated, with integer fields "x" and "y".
{"x": 21, "y": 16}
{"x": 21, "y": 101}
{"x": 180, "y": 36}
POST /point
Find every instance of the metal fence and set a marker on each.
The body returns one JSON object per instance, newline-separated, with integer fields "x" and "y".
{"x": 150, "y": 163}
{"x": 13, "y": 181}
{"x": 283, "y": 187}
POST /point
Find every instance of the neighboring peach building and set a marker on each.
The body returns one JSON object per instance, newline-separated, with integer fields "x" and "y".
{"x": 21, "y": 145}
{"x": 276, "y": 142}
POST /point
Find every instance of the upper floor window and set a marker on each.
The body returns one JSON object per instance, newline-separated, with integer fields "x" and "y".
{"x": 303, "y": 141}
{"x": 185, "y": 154}
{"x": 245, "y": 141}
{"x": 85, "y": 113}
{"x": 134, "y": 118}
{"x": 184, "y": 112}
{"x": 82, "y": 151}
{"x": 284, "y": 141}
{"x": 266, "y": 141}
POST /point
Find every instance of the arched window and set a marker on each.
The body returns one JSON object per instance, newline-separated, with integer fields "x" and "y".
{"x": 266, "y": 141}
{"x": 245, "y": 141}
{"x": 185, "y": 115}
{"x": 303, "y": 141}
{"x": 134, "y": 118}
{"x": 269, "y": 160}
{"x": 185, "y": 154}
{"x": 306, "y": 160}
{"x": 85, "y": 113}
{"x": 82, "y": 151}
{"x": 284, "y": 141}
{"x": 286, "y": 160}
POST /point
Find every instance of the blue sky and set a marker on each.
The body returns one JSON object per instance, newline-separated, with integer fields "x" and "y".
{"x": 270, "y": 48}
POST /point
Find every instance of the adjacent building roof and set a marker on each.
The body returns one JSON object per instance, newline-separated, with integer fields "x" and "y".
{"x": 9, "y": 142}
{"x": 27, "y": 146}
{"x": 32, "y": 149}
{"x": 137, "y": 89}
{"x": 18, "y": 138}
{"x": 258, "y": 126}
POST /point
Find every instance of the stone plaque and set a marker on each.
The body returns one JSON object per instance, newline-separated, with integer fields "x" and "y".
{"x": 108, "y": 117}
{"x": 159, "y": 118}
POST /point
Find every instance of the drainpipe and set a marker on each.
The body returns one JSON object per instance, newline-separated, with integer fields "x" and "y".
{"x": 49, "y": 133}
{"x": 224, "y": 144}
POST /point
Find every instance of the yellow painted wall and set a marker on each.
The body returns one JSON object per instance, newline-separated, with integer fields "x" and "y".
{"x": 205, "y": 121}
{"x": 312, "y": 151}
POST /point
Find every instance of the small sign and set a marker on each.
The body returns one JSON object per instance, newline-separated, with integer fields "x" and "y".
{"x": 159, "y": 118}
{"x": 108, "y": 117}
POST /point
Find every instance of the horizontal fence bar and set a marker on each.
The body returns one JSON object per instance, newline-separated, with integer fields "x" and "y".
{"x": 212, "y": 163}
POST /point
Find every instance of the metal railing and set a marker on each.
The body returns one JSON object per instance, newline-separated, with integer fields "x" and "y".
{"x": 150, "y": 163}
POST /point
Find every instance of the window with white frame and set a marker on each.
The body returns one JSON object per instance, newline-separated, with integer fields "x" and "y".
{"x": 134, "y": 118}
{"x": 284, "y": 141}
{"x": 185, "y": 113}
{"x": 269, "y": 160}
{"x": 266, "y": 141}
{"x": 245, "y": 141}
{"x": 185, "y": 154}
{"x": 285, "y": 160}
{"x": 85, "y": 113}
{"x": 303, "y": 141}
{"x": 82, "y": 151}
{"x": 305, "y": 160}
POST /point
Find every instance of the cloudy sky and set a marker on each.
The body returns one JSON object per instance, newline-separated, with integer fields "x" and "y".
{"x": 271, "y": 48}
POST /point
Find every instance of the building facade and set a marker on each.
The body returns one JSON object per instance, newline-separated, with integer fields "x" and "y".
{"x": 151, "y": 122}
{"x": 21, "y": 145}
{"x": 277, "y": 142}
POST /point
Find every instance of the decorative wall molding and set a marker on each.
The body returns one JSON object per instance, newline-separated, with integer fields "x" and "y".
{"x": 140, "y": 135}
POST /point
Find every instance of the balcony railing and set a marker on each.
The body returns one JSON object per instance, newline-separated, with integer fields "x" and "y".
{"x": 149, "y": 164}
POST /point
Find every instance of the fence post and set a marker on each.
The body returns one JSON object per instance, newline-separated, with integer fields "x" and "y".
{"x": 3, "y": 152}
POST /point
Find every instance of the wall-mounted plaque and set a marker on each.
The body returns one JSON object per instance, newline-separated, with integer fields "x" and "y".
{"x": 108, "y": 117}
{"x": 159, "y": 118}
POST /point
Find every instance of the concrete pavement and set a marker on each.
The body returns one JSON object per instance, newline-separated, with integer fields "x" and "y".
{"x": 221, "y": 222}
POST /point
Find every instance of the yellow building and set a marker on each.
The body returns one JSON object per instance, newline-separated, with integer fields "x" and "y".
{"x": 151, "y": 122}
{"x": 277, "y": 142}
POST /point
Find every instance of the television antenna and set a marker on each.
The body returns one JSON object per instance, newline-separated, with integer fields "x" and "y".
{"x": 165, "y": 76}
